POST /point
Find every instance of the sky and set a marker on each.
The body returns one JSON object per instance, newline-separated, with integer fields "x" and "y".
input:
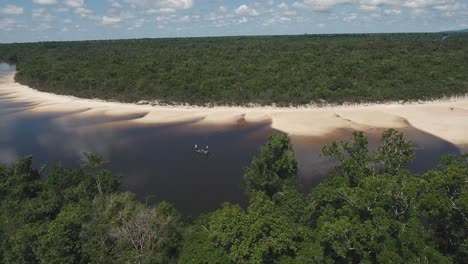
{"x": 58, "y": 20}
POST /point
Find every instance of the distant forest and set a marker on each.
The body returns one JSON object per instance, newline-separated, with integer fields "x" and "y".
{"x": 285, "y": 70}
{"x": 369, "y": 210}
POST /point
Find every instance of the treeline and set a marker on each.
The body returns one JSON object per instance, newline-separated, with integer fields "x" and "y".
{"x": 285, "y": 70}
{"x": 371, "y": 210}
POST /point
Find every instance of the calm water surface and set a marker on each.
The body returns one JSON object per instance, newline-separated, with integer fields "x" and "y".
{"x": 157, "y": 161}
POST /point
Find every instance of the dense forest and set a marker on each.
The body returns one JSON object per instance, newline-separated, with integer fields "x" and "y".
{"x": 284, "y": 70}
{"x": 370, "y": 210}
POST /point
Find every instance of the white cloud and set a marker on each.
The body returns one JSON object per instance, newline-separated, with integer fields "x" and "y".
{"x": 84, "y": 12}
{"x": 160, "y": 11}
{"x": 61, "y": 9}
{"x": 223, "y": 9}
{"x": 283, "y": 5}
{"x": 370, "y": 5}
{"x": 212, "y": 17}
{"x": 42, "y": 26}
{"x": 369, "y": 8}
{"x": 350, "y": 17}
{"x": 79, "y": 8}
{"x": 184, "y": 19}
{"x": 320, "y": 5}
{"x": 380, "y": 2}
{"x": 42, "y": 19}
{"x": 7, "y": 24}
{"x": 110, "y": 20}
{"x": 11, "y": 10}
{"x": 451, "y": 7}
{"x": 175, "y": 4}
{"x": 242, "y": 20}
{"x": 245, "y": 10}
{"x": 423, "y": 3}
{"x": 138, "y": 24}
{"x": 41, "y": 14}
{"x": 169, "y": 14}
{"x": 74, "y": 3}
{"x": 115, "y": 4}
{"x": 45, "y": 2}
{"x": 419, "y": 12}
{"x": 392, "y": 11}
{"x": 276, "y": 20}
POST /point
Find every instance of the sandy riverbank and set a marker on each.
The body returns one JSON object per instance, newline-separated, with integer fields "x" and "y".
{"x": 446, "y": 119}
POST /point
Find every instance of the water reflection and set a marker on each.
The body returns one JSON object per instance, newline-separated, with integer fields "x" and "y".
{"x": 314, "y": 167}
{"x": 158, "y": 162}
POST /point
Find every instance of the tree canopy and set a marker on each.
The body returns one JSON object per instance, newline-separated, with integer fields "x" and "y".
{"x": 285, "y": 70}
{"x": 369, "y": 210}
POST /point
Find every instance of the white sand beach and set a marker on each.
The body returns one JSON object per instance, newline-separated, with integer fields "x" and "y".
{"x": 446, "y": 119}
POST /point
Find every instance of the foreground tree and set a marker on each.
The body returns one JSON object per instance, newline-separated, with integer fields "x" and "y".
{"x": 273, "y": 168}
{"x": 122, "y": 230}
{"x": 41, "y": 220}
{"x": 198, "y": 248}
{"x": 92, "y": 164}
{"x": 370, "y": 211}
{"x": 261, "y": 235}
{"x": 444, "y": 206}
{"x": 394, "y": 152}
{"x": 20, "y": 187}
{"x": 356, "y": 162}
{"x": 353, "y": 156}
{"x": 60, "y": 243}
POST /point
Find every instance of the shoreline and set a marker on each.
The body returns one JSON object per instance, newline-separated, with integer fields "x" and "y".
{"x": 444, "y": 118}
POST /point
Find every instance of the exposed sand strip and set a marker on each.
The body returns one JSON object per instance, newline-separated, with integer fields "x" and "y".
{"x": 446, "y": 119}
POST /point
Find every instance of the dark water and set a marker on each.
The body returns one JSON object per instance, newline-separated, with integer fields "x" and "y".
{"x": 158, "y": 162}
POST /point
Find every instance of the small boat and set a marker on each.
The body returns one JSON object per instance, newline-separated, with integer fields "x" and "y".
{"x": 201, "y": 150}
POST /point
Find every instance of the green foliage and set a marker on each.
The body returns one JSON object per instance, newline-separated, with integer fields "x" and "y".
{"x": 394, "y": 151}
{"x": 273, "y": 168}
{"x": 444, "y": 205}
{"x": 93, "y": 164}
{"x": 105, "y": 212}
{"x": 285, "y": 70}
{"x": 377, "y": 221}
{"x": 41, "y": 220}
{"x": 122, "y": 230}
{"x": 370, "y": 211}
{"x": 261, "y": 235}
{"x": 198, "y": 248}
{"x": 20, "y": 181}
{"x": 20, "y": 246}
{"x": 353, "y": 156}
{"x": 356, "y": 162}
{"x": 60, "y": 244}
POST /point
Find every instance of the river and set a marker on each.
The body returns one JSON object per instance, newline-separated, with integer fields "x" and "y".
{"x": 158, "y": 163}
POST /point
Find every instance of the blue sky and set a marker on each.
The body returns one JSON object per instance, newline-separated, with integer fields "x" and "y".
{"x": 47, "y": 20}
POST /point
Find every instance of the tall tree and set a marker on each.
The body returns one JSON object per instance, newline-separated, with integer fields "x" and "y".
{"x": 274, "y": 167}
{"x": 261, "y": 235}
{"x": 123, "y": 230}
{"x": 394, "y": 152}
{"x": 353, "y": 156}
